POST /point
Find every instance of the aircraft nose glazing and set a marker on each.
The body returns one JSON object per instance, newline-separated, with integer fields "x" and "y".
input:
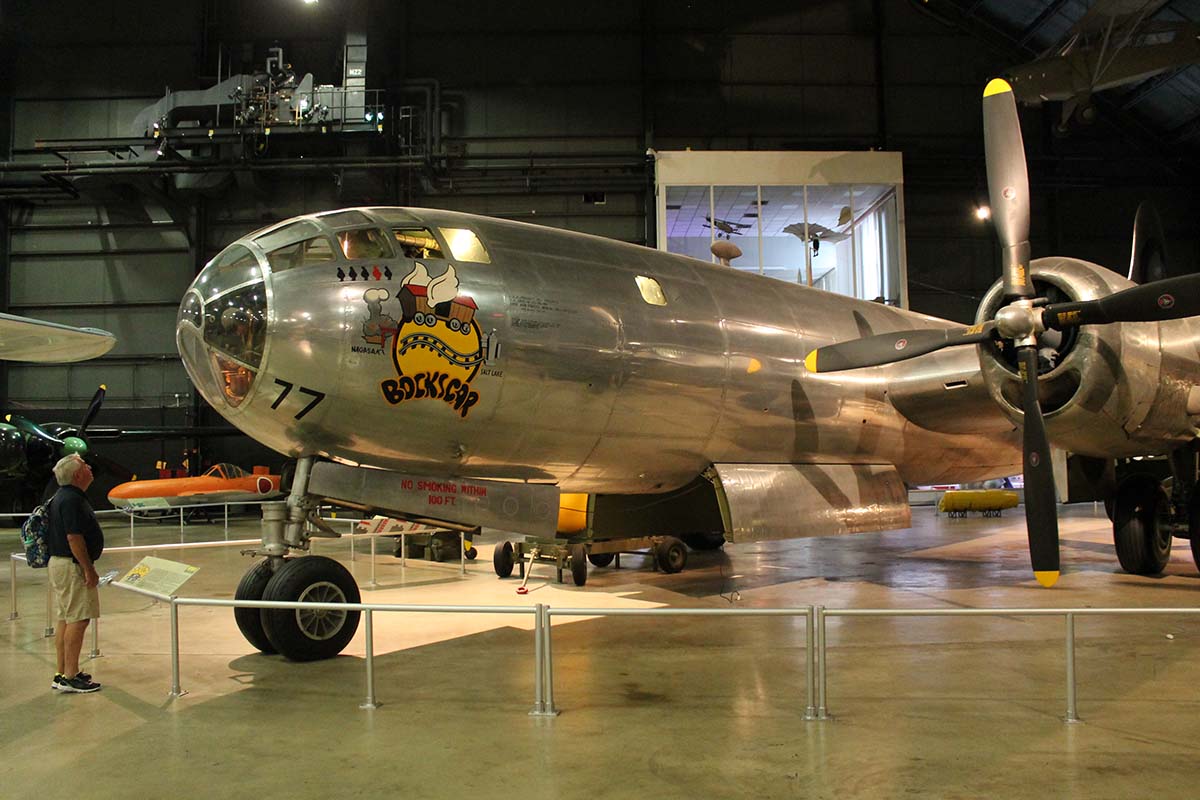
{"x": 222, "y": 327}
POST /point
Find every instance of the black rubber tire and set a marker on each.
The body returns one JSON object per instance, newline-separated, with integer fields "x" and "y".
{"x": 671, "y": 555}
{"x": 579, "y": 564}
{"x": 502, "y": 559}
{"x": 1143, "y": 546}
{"x": 249, "y": 620}
{"x": 601, "y": 559}
{"x": 311, "y": 578}
{"x": 472, "y": 554}
{"x": 704, "y": 541}
{"x": 1194, "y": 527}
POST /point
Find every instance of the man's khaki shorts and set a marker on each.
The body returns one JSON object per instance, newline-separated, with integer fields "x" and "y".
{"x": 74, "y": 599}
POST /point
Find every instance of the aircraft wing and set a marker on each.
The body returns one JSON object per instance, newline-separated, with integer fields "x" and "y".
{"x": 1102, "y": 13}
{"x": 816, "y": 231}
{"x": 25, "y": 339}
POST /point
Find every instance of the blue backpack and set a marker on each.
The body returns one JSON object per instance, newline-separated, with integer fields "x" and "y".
{"x": 35, "y": 535}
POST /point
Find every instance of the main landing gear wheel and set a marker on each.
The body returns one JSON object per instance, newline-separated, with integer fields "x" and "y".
{"x": 471, "y": 554}
{"x": 671, "y": 555}
{"x": 249, "y": 620}
{"x": 1194, "y": 527}
{"x": 579, "y": 564}
{"x": 502, "y": 559}
{"x": 311, "y": 634}
{"x": 1140, "y": 532}
{"x": 601, "y": 559}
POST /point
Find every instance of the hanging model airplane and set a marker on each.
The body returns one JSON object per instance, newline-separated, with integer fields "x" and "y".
{"x": 471, "y": 369}
{"x": 724, "y": 226}
{"x": 1115, "y": 43}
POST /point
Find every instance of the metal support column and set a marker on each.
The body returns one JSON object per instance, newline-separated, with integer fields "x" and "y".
{"x": 821, "y": 710}
{"x": 1072, "y": 716}
{"x": 176, "y": 691}
{"x": 539, "y": 702}
{"x": 810, "y": 619}
{"x": 95, "y": 639}
{"x": 49, "y": 629}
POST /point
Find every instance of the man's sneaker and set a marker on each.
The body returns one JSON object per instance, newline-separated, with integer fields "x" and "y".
{"x": 86, "y": 677}
{"x": 77, "y": 685}
{"x": 59, "y": 682}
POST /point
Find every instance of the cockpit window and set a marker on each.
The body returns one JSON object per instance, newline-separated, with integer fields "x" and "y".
{"x": 364, "y": 243}
{"x": 310, "y": 251}
{"x": 236, "y": 324}
{"x": 417, "y": 243}
{"x": 236, "y": 265}
{"x": 190, "y": 309}
{"x": 288, "y": 234}
{"x": 465, "y": 245}
{"x": 342, "y": 219}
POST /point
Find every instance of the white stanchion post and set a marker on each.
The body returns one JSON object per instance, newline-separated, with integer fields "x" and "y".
{"x": 548, "y": 671}
{"x": 370, "y": 635}
{"x": 131, "y": 527}
{"x": 462, "y": 553}
{"x": 810, "y": 619}
{"x": 95, "y": 639}
{"x": 227, "y": 522}
{"x": 373, "y": 583}
{"x": 1072, "y": 715}
{"x": 822, "y": 711}
{"x": 176, "y": 691}
{"x": 539, "y": 702}
{"x": 48, "y": 631}
{"x": 12, "y": 587}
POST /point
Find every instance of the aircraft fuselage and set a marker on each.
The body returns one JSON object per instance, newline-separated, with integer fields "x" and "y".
{"x": 594, "y": 364}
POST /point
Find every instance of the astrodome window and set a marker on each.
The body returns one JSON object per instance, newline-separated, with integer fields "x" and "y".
{"x": 465, "y": 245}
{"x": 316, "y": 250}
{"x": 236, "y": 324}
{"x": 652, "y": 293}
{"x": 364, "y": 243}
{"x": 417, "y": 243}
{"x": 236, "y": 265}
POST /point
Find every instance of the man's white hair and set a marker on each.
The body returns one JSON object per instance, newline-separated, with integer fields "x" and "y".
{"x": 65, "y": 469}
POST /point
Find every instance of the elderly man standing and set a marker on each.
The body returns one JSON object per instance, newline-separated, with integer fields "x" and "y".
{"x": 76, "y": 541}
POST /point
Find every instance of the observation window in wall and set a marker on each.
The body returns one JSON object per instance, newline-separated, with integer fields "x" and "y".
{"x": 316, "y": 250}
{"x": 364, "y": 243}
{"x": 465, "y": 245}
{"x": 417, "y": 243}
{"x": 651, "y": 291}
{"x": 843, "y": 238}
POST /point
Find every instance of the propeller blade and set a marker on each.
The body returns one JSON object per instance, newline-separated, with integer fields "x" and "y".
{"x": 1173, "y": 298}
{"x": 93, "y": 409}
{"x": 887, "y": 348}
{"x": 1008, "y": 184}
{"x": 1041, "y": 515}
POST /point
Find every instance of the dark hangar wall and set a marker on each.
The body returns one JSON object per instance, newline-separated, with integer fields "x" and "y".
{"x": 540, "y": 102}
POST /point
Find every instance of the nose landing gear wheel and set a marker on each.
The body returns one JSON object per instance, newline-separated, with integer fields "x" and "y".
{"x": 311, "y": 634}
{"x": 249, "y": 620}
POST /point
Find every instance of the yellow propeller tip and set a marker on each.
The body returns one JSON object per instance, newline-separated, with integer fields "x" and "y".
{"x": 105, "y": 388}
{"x": 810, "y": 361}
{"x": 996, "y": 86}
{"x": 1047, "y": 578}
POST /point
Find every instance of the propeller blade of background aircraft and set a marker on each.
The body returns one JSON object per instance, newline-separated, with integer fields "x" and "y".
{"x": 92, "y": 410}
{"x": 887, "y": 348}
{"x": 1008, "y": 184}
{"x": 1041, "y": 516}
{"x": 1173, "y": 298}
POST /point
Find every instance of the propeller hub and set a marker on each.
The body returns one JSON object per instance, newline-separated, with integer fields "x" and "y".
{"x": 1020, "y": 322}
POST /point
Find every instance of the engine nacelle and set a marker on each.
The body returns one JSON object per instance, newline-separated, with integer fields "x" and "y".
{"x": 1104, "y": 388}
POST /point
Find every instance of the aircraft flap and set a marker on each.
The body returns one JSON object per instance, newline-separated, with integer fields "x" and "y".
{"x": 528, "y": 508}
{"x": 786, "y": 501}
